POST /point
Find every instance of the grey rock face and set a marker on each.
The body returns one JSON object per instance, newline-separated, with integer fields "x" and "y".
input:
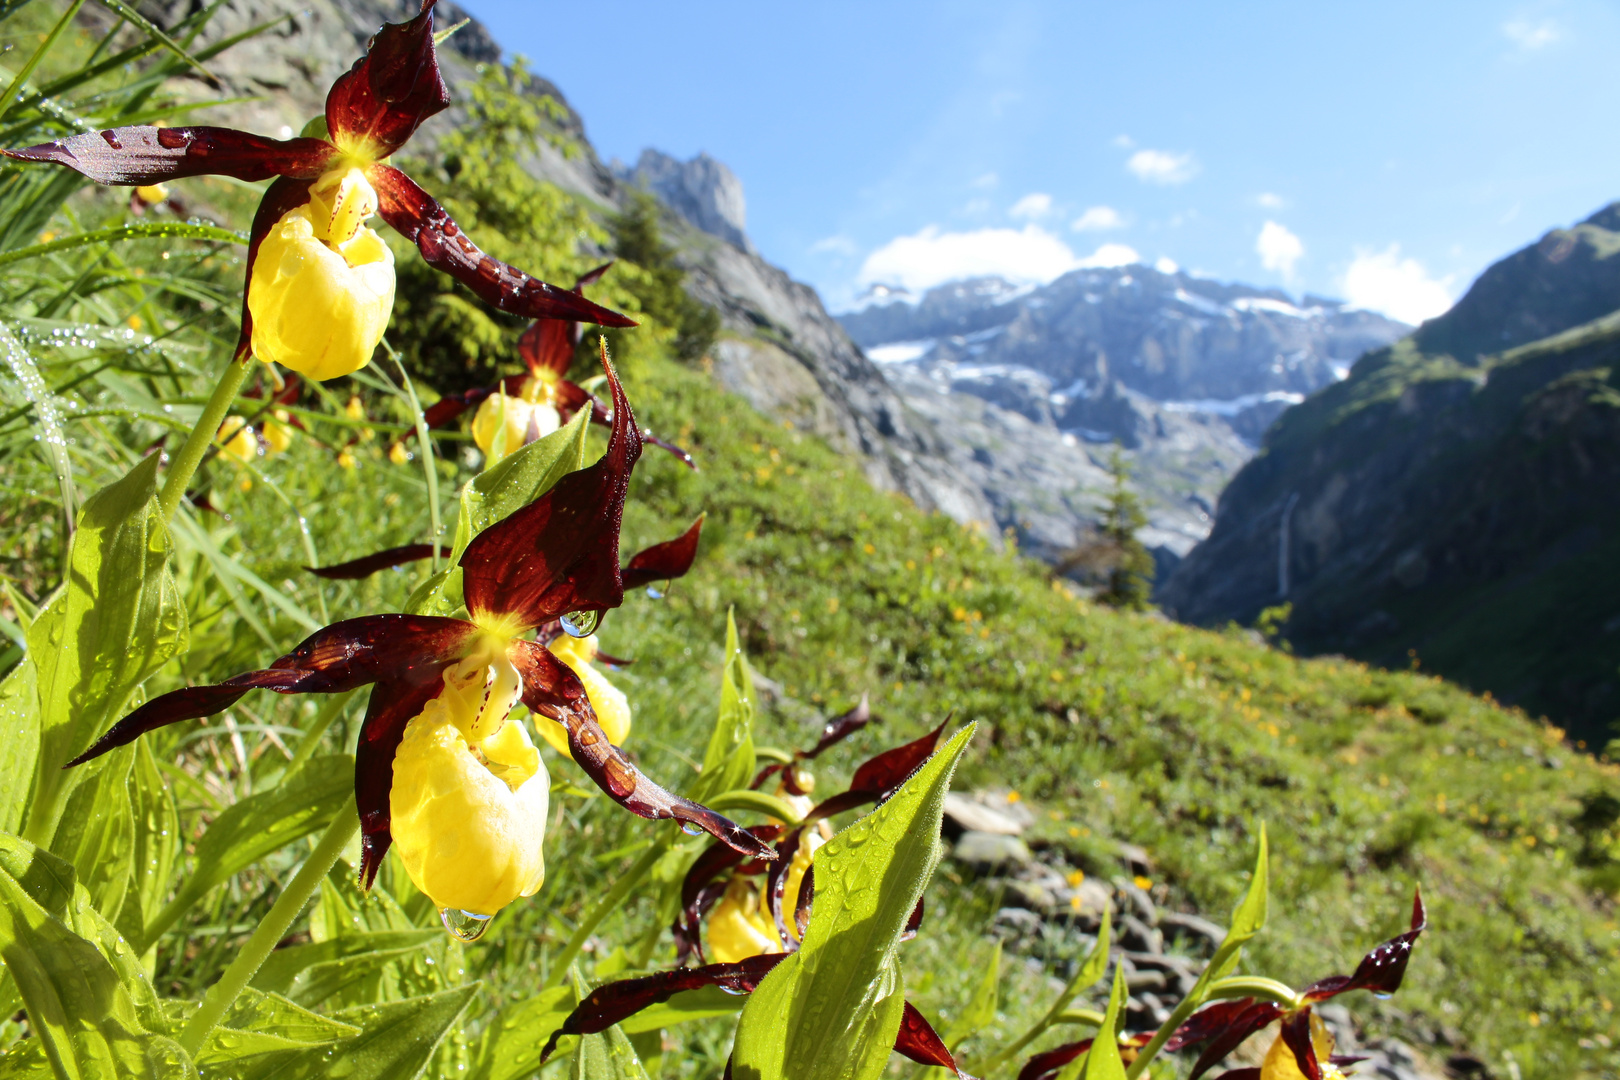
{"x": 703, "y": 191}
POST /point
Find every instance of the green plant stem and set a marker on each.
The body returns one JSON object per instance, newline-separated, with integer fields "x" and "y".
{"x": 424, "y": 442}
{"x": 184, "y": 464}
{"x": 609, "y": 903}
{"x": 271, "y": 929}
{"x": 1239, "y": 986}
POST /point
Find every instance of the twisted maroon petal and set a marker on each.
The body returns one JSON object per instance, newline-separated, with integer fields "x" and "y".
{"x": 148, "y": 155}
{"x": 1296, "y": 1032}
{"x": 776, "y": 876}
{"x": 918, "y": 1041}
{"x": 420, "y": 219}
{"x": 914, "y": 923}
{"x": 1381, "y": 970}
{"x": 835, "y": 731}
{"x": 367, "y": 565}
{"x": 1046, "y": 1064}
{"x": 612, "y": 1002}
{"x": 379, "y": 103}
{"x": 1227, "y": 1024}
{"x": 552, "y": 690}
{"x": 560, "y": 553}
{"x": 879, "y": 776}
{"x": 390, "y": 709}
{"x": 281, "y": 196}
{"x": 806, "y": 900}
{"x": 191, "y": 703}
{"x": 663, "y": 562}
{"x": 701, "y": 889}
{"x": 547, "y": 347}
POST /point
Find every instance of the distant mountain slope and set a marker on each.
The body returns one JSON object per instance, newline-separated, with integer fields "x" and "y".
{"x": 1184, "y": 372}
{"x": 1452, "y": 505}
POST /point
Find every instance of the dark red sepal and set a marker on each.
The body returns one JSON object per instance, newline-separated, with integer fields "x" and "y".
{"x": 663, "y": 562}
{"x": 1227, "y": 1024}
{"x": 378, "y": 104}
{"x": 776, "y": 884}
{"x": 560, "y": 553}
{"x": 190, "y": 703}
{"x": 880, "y": 775}
{"x": 918, "y": 1041}
{"x": 914, "y": 923}
{"x": 806, "y": 900}
{"x": 281, "y": 196}
{"x": 420, "y": 219}
{"x": 552, "y": 690}
{"x": 547, "y": 347}
{"x": 616, "y": 1001}
{"x": 1046, "y": 1064}
{"x": 367, "y": 565}
{"x": 150, "y": 155}
{"x": 392, "y": 706}
{"x": 701, "y": 889}
{"x": 1381, "y": 970}
{"x": 1296, "y": 1033}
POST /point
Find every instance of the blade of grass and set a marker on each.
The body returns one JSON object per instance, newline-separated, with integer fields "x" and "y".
{"x": 137, "y": 19}
{"x": 63, "y": 23}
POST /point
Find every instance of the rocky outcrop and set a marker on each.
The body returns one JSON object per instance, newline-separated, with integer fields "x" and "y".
{"x": 702, "y": 191}
{"x": 1453, "y": 508}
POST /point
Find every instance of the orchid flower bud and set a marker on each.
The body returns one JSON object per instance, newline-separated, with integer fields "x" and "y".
{"x": 470, "y": 793}
{"x": 609, "y": 703}
{"x": 738, "y": 927}
{"x": 505, "y": 423}
{"x": 323, "y": 284}
{"x": 236, "y": 439}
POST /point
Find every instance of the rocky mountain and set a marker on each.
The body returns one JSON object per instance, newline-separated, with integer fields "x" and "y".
{"x": 1452, "y": 503}
{"x": 1031, "y": 385}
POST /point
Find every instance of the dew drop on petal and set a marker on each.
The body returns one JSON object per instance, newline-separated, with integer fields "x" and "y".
{"x": 654, "y": 593}
{"x": 580, "y": 624}
{"x": 690, "y": 829}
{"x": 464, "y": 925}
{"x": 733, "y": 991}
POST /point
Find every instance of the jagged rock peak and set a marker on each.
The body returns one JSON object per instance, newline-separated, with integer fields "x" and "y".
{"x": 703, "y": 191}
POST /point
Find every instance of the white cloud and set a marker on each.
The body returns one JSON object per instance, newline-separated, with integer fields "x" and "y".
{"x": 1124, "y": 142}
{"x": 1110, "y": 255}
{"x": 1279, "y": 249}
{"x": 988, "y": 180}
{"x": 834, "y": 245}
{"x": 1166, "y": 265}
{"x": 1035, "y": 204}
{"x": 1531, "y": 35}
{"x": 1162, "y": 167}
{"x": 1269, "y": 201}
{"x": 1400, "y": 288}
{"x": 1098, "y": 218}
{"x": 931, "y": 257}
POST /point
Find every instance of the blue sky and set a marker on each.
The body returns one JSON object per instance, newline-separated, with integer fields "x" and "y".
{"x": 1384, "y": 152}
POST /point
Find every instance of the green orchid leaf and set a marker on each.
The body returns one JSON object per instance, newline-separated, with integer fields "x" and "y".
{"x": 19, "y": 719}
{"x": 509, "y": 1048}
{"x": 256, "y": 826}
{"x": 831, "y": 1010}
{"x": 607, "y": 1056}
{"x": 263, "y": 1035}
{"x": 91, "y": 1016}
{"x": 500, "y": 490}
{"x": 686, "y": 1006}
{"x": 981, "y": 1011}
{"x": 97, "y": 833}
{"x": 119, "y": 619}
{"x": 1248, "y": 919}
{"x": 728, "y": 762}
{"x": 1103, "y": 1061}
{"x": 345, "y": 910}
{"x": 396, "y": 1039}
{"x": 157, "y": 843}
{"x": 290, "y": 971}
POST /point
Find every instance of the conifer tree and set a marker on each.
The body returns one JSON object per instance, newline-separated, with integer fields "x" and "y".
{"x": 1129, "y": 581}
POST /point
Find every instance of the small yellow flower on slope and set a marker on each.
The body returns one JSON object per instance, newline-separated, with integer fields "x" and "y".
{"x": 469, "y": 797}
{"x": 323, "y": 283}
{"x": 612, "y": 708}
{"x": 278, "y": 433}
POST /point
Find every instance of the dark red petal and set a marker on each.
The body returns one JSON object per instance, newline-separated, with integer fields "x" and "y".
{"x": 281, "y": 196}
{"x": 391, "y": 707}
{"x": 701, "y": 888}
{"x": 807, "y": 895}
{"x": 837, "y": 804}
{"x": 1229, "y": 1023}
{"x": 373, "y": 648}
{"x": 914, "y": 923}
{"x": 367, "y": 565}
{"x": 424, "y": 222}
{"x": 840, "y": 728}
{"x": 663, "y": 562}
{"x": 1047, "y": 1063}
{"x": 1296, "y": 1032}
{"x": 890, "y": 769}
{"x": 570, "y": 397}
{"x": 560, "y": 553}
{"x": 1381, "y": 970}
{"x": 191, "y": 703}
{"x": 547, "y": 347}
{"x": 379, "y": 103}
{"x": 150, "y": 155}
{"x": 918, "y": 1041}
{"x": 552, "y": 690}
{"x": 776, "y": 884}
{"x": 610, "y": 1003}
{"x": 1250, "y": 1073}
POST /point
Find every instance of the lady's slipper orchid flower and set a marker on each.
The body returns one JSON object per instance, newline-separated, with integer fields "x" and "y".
{"x": 522, "y": 408}
{"x": 1303, "y": 1049}
{"x": 321, "y": 284}
{"x": 557, "y": 556}
{"x": 236, "y": 439}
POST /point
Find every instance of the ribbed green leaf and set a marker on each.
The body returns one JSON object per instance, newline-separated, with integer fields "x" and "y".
{"x": 19, "y": 742}
{"x": 607, "y": 1056}
{"x": 728, "y": 762}
{"x": 1102, "y": 1061}
{"x": 509, "y": 1048}
{"x": 831, "y": 1010}
{"x": 283, "y": 968}
{"x": 156, "y": 822}
{"x": 97, "y": 833}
